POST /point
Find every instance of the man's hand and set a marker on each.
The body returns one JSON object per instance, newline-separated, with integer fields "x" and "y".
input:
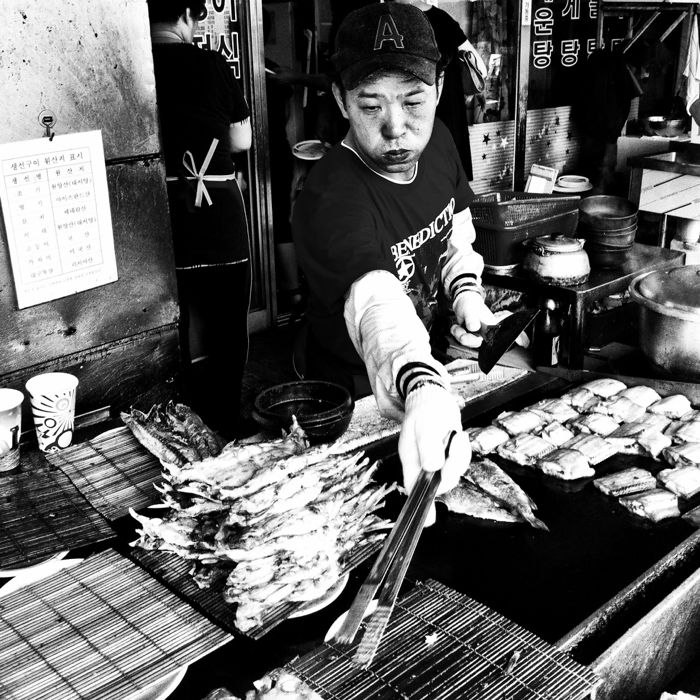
{"x": 472, "y": 315}
{"x": 431, "y": 416}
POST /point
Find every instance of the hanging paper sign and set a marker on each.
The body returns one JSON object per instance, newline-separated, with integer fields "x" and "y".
{"x": 55, "y": 206}
{"x": 563, "y": 36}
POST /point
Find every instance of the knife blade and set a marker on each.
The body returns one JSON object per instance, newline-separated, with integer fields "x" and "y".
{"x": 499, "y": 338}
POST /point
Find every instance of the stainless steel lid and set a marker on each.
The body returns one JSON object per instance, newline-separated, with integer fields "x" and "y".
{"x": 677, "y": 288}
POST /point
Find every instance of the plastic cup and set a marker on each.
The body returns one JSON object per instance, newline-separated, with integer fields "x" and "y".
{"x": 52, "y": 397}
{"x": 10, "y": 428}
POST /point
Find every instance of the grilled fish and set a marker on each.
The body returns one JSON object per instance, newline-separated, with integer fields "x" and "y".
{"x": 674, "y": 406}
{"x": 580, "y": 398}
{"x": 565, "y": 464}
{"x": 468, "y": 499}
{"x": 605, "y": 387}
{"x": 653, "y": 505}
{"x": 556, "y": 433}
{"x": 558, "y": 409}
{"x": 486, "y": 440}
{"x": 619, "y": 409}
{"x": 594, "y": 448}
{"x": 525, "y": 449}
{"x": 625, "y": 482}
{"x": 683, "y": 455}
{"x": 642, "y": 395}
{"x": 683, "y": 481}
{"x": 489, "y": 477}
{"x": 521, "y": 422}
{"x": 595, "y": 423}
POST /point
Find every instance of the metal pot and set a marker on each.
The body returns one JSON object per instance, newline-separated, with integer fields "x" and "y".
{"x": 556, "y": 259}
{"x": 669, "y": 319}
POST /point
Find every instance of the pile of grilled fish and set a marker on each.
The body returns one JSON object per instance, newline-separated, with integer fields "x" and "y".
{"x": 569, "y": 436}
{"x": 274, "y": 521}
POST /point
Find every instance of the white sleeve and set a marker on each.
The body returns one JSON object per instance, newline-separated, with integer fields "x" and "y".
{"x": 389, "y": 337}
{"x": 463, "y": 266}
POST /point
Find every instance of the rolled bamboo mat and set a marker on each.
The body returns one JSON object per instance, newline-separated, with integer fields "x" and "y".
{"x": 42, "y": 513}
{"x": 442, "y": 645}
{"x": 173, "y": 571}
{"x": 103, "y": 630}
{"x": 113, "y": 471}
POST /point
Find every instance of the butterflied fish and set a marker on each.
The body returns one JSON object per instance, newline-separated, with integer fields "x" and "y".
{"x": 674, "y": 406}
{"x": 558, "y": 409}
{"x": 594, "y": 448}
{"x": 625, "y": 482}
{"x": 565, "y": 464}
{"x": 683, "y": 481}
{"x": 595, "y": 423}
{"x": 684, "y": 431}
{"x": 489, "y": 477}
{"x": 556, "y": 433}
{"x": 486, "y": 440}
{"x": 605, "y": 387}
{"x": 686, "y": 454}
{"x": 580, "y": 398}
{"x": 524, "y": 449}
{"x": 518, "y": 423}
{"x": 653, "y": 505}
{"x": 468, "y": 499}
{"x": 620, "y": 409}
{"x": 642, "y": 395}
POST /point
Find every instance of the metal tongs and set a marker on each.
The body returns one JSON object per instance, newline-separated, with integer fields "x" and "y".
{"x": 390, "y": 567}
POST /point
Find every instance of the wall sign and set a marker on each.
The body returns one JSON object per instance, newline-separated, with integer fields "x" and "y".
{"x": 563, "y": 36}
{"x": 55, "y": 206}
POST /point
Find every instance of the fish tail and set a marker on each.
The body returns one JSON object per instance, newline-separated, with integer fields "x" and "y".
{"x": 536, "y": 522}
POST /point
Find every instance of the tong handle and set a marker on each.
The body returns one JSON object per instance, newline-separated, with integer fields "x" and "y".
{"x": 348, "y": 630}
{"x": 427, "y": 485}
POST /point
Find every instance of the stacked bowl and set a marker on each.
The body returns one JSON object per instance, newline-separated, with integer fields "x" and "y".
{"x": 609, "y": 226}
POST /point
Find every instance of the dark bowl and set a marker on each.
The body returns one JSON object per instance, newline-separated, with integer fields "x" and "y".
{"x": 604, "y": 257}
{"x": 606, "y": 212}
{"x": 322, "y": 409}
{"x": 617, "y": 241}
{"x": 585, "y": 229}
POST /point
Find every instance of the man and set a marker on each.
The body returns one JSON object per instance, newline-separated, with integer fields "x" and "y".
{"x": 205, "y": 121}
{"x": 383, "y": 234}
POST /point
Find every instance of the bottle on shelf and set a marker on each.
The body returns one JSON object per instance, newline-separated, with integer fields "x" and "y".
{"x": 547, "y": 334}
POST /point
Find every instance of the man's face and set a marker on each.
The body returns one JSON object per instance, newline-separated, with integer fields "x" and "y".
{"x": 391, "y": 119}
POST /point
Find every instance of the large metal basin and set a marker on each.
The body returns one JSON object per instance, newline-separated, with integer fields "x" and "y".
{"x": 669, "y": 336}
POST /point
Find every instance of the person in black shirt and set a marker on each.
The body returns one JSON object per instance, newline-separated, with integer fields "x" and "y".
{"x": 205, "y": 121}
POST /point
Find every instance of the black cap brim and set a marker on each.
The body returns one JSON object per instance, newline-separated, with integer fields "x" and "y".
{"x": 422, "y": 68}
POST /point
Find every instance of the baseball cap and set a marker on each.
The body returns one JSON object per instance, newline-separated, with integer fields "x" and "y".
{"x": 385, "y": 35}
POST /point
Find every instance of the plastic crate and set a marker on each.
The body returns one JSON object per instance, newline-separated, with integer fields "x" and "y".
{"x": 515, "y": 208}
{"x": 502, "y": 245}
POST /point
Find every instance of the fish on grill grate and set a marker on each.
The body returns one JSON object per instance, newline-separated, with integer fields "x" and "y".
{"x": 605, "y": 387}
{"x": 595, "y": 448}
{"x": 644, "y": 396}
{"x": 486, "y": 492}
{"x": 687, "y": 454}
{"x": 620, "y": 409}
{"x": 485, "y": 440}
{"x": 626, "y": 482}
{"x": 683, "y": 481}
{"x": 654, "y": 505}
{"x": 565, "y": 464}
{"x": 520, "y": 422}
{"x": 525, "y": 450}
{"x": 594, "y": 423}
{"x": 559, "y": 409}
{"x": 674, "y": 407}
{"x": 556, "y": 433}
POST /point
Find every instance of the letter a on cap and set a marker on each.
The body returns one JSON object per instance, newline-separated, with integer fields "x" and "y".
{"x": 387, "y": 31}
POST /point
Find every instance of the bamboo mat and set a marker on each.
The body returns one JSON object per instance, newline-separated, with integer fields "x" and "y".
{"x": 173, "y": 571}
{"x": 100, "y": 631}
{"x": 442, "y": 645}
{"x": 368, "y": 426}
{"x": 113, "y": 471}
{"x": 42, "y": 513}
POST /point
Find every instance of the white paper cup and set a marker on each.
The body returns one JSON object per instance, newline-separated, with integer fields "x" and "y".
{"x": 52, "y": 397}
{"x": 10, "y": 427}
